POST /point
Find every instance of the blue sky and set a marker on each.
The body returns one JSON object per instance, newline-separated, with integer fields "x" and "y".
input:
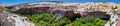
{"x": 13, "y": 2}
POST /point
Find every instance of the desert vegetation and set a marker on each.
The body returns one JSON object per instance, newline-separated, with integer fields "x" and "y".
{"x": 50, "y": 20}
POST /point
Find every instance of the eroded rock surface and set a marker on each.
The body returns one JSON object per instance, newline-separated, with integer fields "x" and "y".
{"x": 67, "y": 9}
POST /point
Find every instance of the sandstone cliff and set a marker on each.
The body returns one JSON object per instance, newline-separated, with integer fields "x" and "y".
{"x": 67, "y": 9}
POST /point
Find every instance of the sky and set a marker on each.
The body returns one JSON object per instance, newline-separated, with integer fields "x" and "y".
{"x": 14, "y": 2}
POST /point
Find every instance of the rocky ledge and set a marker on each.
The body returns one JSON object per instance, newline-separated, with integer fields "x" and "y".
{"x": 98, "y": 9}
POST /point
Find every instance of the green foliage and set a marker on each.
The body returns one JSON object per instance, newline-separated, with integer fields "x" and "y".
{"x": 113, "y": 8}
{"x": 88, "y": 21}
{"x": 9, "y": 11}
{"x": 47, "y": 20}
{"x": 50, "y": 20}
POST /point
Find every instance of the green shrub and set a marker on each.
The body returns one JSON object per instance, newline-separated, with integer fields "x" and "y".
{"x": 50, "y": 20}
{"x": 88, "y": 21}
{"x": 47, "y": 20}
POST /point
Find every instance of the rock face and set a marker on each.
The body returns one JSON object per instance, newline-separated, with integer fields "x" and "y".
{"x": 99, "y": 9}
{"x": 119, "y": 11}
{"x": 99, "y": 14}
{"x": 16, "y": 20}
{"x": 3, "y": 17}
{"x": 7, "y": 19}
{"x": 13, "y": 20}
{"x": 33, "y": 10}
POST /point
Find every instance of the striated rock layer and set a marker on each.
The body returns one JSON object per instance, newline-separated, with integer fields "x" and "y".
{"x": 98, "y": 9}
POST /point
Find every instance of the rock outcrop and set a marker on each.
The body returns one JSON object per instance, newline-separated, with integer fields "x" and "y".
{"x": 8, "y": 19}
{"x": 67, "y": 9}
